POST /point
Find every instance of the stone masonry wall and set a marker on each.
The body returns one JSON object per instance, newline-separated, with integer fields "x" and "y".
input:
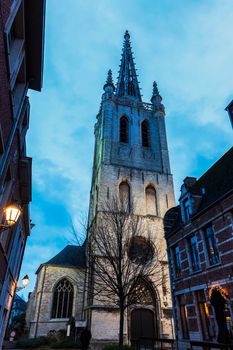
{"x": 40, "y": 321}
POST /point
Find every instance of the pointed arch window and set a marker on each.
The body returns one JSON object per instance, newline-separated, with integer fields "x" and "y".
{"x": 145, "y": 132}
{"x": 63, "y": 296}
{"x": 124, "y": 194}
{"x": 151, "y": 201}
{"x": 142, "y": 293}
{"x": 124, "y": 130}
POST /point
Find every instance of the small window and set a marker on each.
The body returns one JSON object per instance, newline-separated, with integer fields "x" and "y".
{"x": 186, "y": 210}
{"x": 211, "y": 246}
{"x": 124, "y": 132}
{"x": 177, "y": 260}
{"x": 151, "y": 201}
{"x": 194, "y": 256}
{"x": 63, "y": 299}
{"x": 145, "y": 134}
{"x": 124, "y": 194}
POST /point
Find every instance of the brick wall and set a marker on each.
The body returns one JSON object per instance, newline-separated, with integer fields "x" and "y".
{"x": 220, "y": 217}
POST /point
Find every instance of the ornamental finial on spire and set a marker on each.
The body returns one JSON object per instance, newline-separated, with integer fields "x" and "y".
{"x": 155, "y": 89}
{"x": 109, "y": 86}
{"x": 156, "y": 99}
{"x": 109, "y": 77}
{"x": 127, "y": 36}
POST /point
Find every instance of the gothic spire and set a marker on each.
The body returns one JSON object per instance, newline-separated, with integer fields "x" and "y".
{"x": 127, "y": 84}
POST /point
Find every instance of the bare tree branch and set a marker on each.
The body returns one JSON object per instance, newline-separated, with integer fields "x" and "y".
{"x": 122, "y": 257}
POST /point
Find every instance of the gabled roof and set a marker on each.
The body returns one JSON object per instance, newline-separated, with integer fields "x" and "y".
{"x": 216, "y": 182}
{"x": 70, "y": 256}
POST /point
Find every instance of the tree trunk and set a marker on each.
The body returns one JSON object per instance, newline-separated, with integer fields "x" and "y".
{"x": 121, "y": 330}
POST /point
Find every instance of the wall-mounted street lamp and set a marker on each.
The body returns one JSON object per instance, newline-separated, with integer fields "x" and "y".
{"x": 25, "y": 281}
{"x": 11, "y": 214}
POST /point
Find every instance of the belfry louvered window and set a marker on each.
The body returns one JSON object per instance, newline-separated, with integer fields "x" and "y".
{"x": 63, "y": 299}
{"x": 124, "y": 132}
{"x": 145, "y": 134}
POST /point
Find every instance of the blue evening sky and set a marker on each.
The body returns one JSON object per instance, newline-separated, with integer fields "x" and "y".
{"x": 185, "y": 45}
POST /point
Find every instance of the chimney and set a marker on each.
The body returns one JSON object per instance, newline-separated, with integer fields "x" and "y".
{"x": 229, "y": 109}
{"x": 189, "y": 181}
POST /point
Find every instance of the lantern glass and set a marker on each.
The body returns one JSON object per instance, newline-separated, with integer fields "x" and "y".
{"x": 25, "y": 281}
{"x": 12, "y": 214}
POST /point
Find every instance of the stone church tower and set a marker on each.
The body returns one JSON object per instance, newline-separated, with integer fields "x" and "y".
{"x": 131, "y": 155}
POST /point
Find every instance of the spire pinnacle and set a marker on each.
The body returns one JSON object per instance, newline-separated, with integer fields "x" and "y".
{"x": 127, "y": 84}
{"x": 155, "y": 89}
{"x": 109, "y": 77}
{"x": 109, "y": 86}
{"x": 156, "y": 99}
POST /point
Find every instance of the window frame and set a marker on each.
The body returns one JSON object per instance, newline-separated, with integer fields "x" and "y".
{"x": 177, "y": 262}
{"x": 56, "y": 298}
{"x": 213, "y": 259}
{"x": 186, "y": 206}
{"x": 203, "y": 313}
{"x": 193, "y": 253}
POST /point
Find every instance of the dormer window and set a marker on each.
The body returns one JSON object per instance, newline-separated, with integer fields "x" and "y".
{"x": 187, "y": 210}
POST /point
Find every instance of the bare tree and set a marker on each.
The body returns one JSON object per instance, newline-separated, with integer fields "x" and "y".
{"x": 121, "y": 257}
{"x": 77, "y": 233}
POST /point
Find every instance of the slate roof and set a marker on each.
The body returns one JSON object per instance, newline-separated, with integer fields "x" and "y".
{"x": 70, "y": 256}
{"x": 216, "y": 182}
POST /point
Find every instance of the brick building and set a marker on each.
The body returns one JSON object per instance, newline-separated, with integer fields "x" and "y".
{"x": 199, "y": 235}
{"x": 21, "y": 65}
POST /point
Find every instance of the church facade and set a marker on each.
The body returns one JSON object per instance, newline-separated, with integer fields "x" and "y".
{"x": 130, "y": 157}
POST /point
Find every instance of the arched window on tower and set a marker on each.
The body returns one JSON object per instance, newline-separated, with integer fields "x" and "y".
{"x": 124, "y": 194}
{"x": 124, "y": 130}
{"x": 151, "y": 201}
{"x": 63, "y": 299}
{"x": 145, "y": 134}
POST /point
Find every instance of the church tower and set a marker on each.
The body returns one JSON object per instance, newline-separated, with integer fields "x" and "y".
{"x": 131, "y": 155}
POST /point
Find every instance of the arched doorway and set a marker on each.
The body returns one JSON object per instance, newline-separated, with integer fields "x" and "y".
{"x": 144, "y": 323}
{"x": 142, "y": 328}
